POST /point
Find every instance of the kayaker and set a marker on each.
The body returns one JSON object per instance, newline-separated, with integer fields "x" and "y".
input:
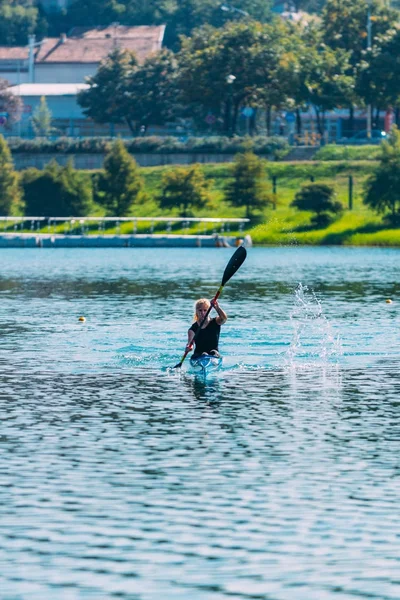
{"x": 207, "y": 340}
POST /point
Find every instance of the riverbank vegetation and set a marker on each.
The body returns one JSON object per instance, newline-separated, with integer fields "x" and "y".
{"x": 280, "y": 225}
{"x": 358, "y": 209}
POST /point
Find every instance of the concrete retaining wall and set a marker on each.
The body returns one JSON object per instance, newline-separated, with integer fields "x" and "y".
{"x": 10, "y": 240}
{"x": 95, "y": 161}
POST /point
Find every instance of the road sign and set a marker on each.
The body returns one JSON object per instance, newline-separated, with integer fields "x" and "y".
{"x": 290, "y": 117}
{"x": 248, "y": 111}
{"x": 210, "y": 119}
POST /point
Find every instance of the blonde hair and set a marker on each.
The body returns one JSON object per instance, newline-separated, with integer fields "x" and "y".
{"x": 198, "y": 303}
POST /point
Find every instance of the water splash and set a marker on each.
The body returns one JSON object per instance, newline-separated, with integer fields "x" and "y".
{"x": 314, "y": 341}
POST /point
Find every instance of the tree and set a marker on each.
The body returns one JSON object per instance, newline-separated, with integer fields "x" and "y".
{"x": 10, "y": 104}
{"x": 41, "y": 119}
{"x": 150, "y": 95}
{"x": 76, "y": 191}
{"x": 106, "y": 100}
{"x": 57, "y": 191}
{"x": 382, "y": 190}
{"x": 189, "y": 15}
{"x": 185, "y": 188}
{"x": 119, "y": 186}
{"x": 18, "y": 19}
{"x": 344, "y": 27}
{"x": 10, "y": 194}
{"x": 221, "y": 70}
{"x": 92, "y": 13}
{"x": 319, "y": 198}
{"x": 379, "y": 76}
{"x": 248, "y": 187}
{"x": 328, "y": 83}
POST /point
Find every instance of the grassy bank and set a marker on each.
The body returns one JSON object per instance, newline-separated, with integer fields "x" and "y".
{"x": 283, "y": 225}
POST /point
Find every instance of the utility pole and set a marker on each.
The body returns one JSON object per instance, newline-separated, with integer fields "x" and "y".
{"x": 31, "y": 58}
{"x": 369, "y": 45}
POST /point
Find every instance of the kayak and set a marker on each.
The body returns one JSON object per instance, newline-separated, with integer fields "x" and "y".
{"x": 206, "y": 363}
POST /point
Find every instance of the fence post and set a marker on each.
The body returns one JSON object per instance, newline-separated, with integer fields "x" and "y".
{"x": 350, "y": 192}
{"x": 274, "y": 179}
{"x": 274, "y": 188}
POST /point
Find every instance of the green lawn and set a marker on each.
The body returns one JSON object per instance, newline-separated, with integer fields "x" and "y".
{"x": 283, "y": 225}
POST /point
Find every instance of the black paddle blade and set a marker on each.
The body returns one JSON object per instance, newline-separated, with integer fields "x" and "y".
{"x": 233, "y": 265}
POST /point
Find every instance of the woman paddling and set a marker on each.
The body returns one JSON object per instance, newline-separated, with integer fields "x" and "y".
{"x": 207, "y": 339}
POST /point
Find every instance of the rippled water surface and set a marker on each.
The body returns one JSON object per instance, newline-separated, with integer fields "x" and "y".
{"x": 277, "y": 478}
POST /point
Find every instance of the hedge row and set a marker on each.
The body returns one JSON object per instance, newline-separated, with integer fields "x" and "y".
{"x": 65, "y": 145}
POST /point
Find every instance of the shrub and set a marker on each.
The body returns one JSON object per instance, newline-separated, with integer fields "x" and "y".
{"x": 260, "y": 145}
{"x": 56, "y": 191}
{"x": 319, "y": 198}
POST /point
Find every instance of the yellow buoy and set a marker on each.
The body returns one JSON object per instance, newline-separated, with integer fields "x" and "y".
{"x": 388, "y": 301}
{"x": 82, "y": 319}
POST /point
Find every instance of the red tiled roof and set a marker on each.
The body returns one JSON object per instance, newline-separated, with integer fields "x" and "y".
{"x": 92, "y": 46}
{"x": 120, "y": 31}
{"x": 13, "y": 53}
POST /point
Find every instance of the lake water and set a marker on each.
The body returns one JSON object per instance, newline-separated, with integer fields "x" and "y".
{"x": 276, "y": 479}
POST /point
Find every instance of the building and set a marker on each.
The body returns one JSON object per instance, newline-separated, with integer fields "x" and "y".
{"x": 61, "y": 99}
{"x": 70, "y": 59}
{"x": 57, "y": 68}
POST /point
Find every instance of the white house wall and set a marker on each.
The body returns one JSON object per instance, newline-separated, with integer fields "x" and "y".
{"x": 64, "y": 73}
{"x": 61, "y": 107}
{"x": 14, "y": 78}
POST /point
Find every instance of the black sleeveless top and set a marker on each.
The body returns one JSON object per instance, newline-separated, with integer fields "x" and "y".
{"x": 208, "y": 337}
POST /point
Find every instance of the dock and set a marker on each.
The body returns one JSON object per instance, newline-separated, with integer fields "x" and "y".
{"x": 27, "y": 240}
{"x": 121, "y": 232}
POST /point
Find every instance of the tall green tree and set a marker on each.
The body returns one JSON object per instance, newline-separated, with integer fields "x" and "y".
{"x": 10, "y": 194}
{"x": 379, "y": 77}
{"x": 119, "y": 185}
{"x": 18, "y": 19}
{"x": 344, "y": 27}
{"x": 92, "y": 13}
{"x": 221, "y": 70}
{"x": 248, "y": 187}
{"x": 328, "y": 83}
{"x": 382, "y": 190}
{"x": 150, "y": 97}
{"x": 106, "y": 100}
{"x": 185, "y": 188}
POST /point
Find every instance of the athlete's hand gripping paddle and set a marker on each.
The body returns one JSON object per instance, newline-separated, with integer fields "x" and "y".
{"x": 233, "y": 265}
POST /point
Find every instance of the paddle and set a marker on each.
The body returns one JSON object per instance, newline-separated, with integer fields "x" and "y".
{"x": 237, "y": 259}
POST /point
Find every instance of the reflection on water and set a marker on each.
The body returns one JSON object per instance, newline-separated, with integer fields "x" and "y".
{"x": 277, "y": 477}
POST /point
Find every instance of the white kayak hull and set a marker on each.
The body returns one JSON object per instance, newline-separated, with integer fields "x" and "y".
{"x": 206, "y": 364}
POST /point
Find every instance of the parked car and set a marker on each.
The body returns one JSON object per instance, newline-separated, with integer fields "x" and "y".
{"x": 361, "y": 137}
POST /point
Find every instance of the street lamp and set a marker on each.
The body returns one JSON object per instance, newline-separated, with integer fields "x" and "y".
{"x": 229, "y": 8}
{"x": 369, "y": 44}
{"x": 230, "y": 79}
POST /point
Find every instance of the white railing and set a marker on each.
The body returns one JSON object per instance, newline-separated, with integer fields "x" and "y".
{"x": 81, "y": 223}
